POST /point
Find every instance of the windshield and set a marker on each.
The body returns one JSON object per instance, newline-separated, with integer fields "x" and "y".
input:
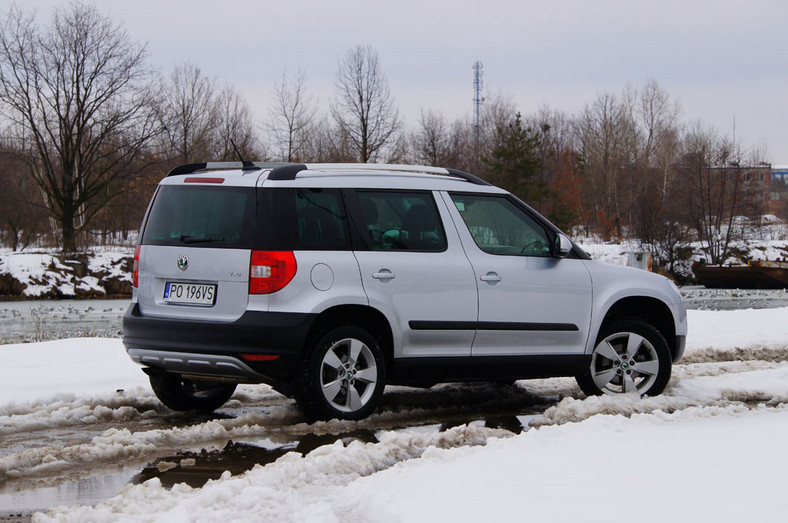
{"x": 209, "y": 216}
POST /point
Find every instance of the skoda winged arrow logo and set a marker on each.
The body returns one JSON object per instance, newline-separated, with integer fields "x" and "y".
{"x": 183, "y": 262}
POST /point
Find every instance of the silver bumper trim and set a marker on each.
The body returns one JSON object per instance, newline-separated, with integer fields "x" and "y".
{"x": 196, "y": 364}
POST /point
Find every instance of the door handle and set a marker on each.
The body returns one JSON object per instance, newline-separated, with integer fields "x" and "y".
{"x": 383, "y": 275}
{"x": 490, "y": 277}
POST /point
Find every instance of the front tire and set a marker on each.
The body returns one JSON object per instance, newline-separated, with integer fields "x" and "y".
{"x": 183, "y": 395}
{"x": 343, "y": 376}
{"x": 629, "y": 356}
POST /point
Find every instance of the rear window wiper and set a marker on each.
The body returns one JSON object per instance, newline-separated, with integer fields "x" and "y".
{"x": 197, "y": 239}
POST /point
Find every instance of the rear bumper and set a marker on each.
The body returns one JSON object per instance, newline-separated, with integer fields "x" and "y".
{"x": 213, "y": 349}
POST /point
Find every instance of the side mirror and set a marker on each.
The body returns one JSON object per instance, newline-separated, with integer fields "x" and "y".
{"x": 563, "y": 246}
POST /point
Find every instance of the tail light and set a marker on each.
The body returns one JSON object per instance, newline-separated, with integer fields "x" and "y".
{"x": 135, "y": 268}
{"x": 270, "y": 271}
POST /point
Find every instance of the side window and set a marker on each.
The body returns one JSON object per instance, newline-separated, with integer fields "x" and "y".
{"x": 402, "y": 221}
{"x": 320, "y": 220}
{"x": 301, "y": 219}
{"x": 498, "y": 226}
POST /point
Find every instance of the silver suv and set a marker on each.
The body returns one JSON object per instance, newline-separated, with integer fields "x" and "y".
{"x": 329, "y": 281}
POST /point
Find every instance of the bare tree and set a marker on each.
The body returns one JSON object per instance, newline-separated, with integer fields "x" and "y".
{"x": 462, "y": 152}
{"x": 234, "y": 128}
{"x": 364, "y": 109}
{"x": 715, "y": 190}
{"x": 204, "y": 120}
{"x": 190, "y": 113}
{"x": 605, "y": 131}
{"x": 657, "y": 115}
{"x": 430, "y": 142}
{"x": 78, "y": 95}
{"x": 497, "y": 112}
{"x": 555, "y": 129}
{"x": 21, "y": 219}
{"x": 291, "y": 114}
{"x": 660, "y": 221}
{"x": 318, "y": 146}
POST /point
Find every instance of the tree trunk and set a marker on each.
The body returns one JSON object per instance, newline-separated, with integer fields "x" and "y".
{"x": 67, "y": 229}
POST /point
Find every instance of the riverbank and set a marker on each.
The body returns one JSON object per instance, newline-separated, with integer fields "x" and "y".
{"x": 98, "y": 273}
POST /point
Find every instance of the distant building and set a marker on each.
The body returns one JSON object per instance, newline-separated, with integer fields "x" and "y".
{"x": 778, "y": 201}
{"x": 758, "y": 183}
{"x": 755, "y": 182}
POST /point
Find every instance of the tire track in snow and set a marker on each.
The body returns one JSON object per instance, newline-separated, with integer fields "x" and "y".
{"x": 747, "y": 385}
{"x": 756, "y": 352}
{"x": 271, "y": 492}
{"x": 93, "y": 434}
{"x": 447, "y": 405}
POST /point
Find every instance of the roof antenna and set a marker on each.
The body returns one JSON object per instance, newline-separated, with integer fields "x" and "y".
{"x": 246, "y": 164}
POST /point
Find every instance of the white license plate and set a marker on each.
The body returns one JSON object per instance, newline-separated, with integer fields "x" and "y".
{"x": 189, "y": 293}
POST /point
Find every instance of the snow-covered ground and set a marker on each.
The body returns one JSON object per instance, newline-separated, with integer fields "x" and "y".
{"x": 766, "y": 243}
{"x": 710, "y": 448}
{"x": 47, "y": 274}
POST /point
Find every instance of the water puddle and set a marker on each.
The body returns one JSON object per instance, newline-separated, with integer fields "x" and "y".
{"x": 195, "y": 468}
{"x": 86, "y": 491}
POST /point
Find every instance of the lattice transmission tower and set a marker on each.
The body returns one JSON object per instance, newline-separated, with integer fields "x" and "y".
{"x": 478, "y": 99}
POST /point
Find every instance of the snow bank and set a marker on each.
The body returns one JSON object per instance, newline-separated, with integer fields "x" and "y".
{"x": 759, "y": 386}
{"x": 702, "y": 464}
{"x": 49, "y": 275}
{"x": 764, "y": 243}
{"x": 31, "y": 416}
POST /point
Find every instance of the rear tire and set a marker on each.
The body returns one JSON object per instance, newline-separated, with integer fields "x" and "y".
{"x": 181, "y": 394}
{"x": 343, "y": 376}
{"x": 629, "y": 356}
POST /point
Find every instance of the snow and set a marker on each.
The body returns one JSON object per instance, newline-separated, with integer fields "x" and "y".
{"x": 655, "y": 467}
{"x": 43, "y": 273}
{"x": 725, "y": 330}
{"x": 57, "y": 370}
{"x": 762, "y": 243}
{"x": 710, "y": 448}
{"x": 111, "y": 262}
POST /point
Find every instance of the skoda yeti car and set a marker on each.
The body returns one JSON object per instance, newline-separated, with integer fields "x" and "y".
{"x": 330, "y": 281}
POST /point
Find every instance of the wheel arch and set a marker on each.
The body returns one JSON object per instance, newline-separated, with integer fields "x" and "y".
{"x": 650, "y": 310}
{"x": 361, "y": 316}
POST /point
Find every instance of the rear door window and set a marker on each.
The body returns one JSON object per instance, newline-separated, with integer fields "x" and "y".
{"x": 218, "y": 217}
{"x": 401, "y": 221}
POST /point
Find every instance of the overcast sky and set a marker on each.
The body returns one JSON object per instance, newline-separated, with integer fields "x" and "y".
{"x": 722, "y": 59}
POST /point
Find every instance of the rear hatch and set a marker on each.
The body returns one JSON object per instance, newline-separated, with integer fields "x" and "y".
{"x": 195, "y": 251}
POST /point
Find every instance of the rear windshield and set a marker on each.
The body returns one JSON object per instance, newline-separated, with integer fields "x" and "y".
{"x": 210, "y": 216}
